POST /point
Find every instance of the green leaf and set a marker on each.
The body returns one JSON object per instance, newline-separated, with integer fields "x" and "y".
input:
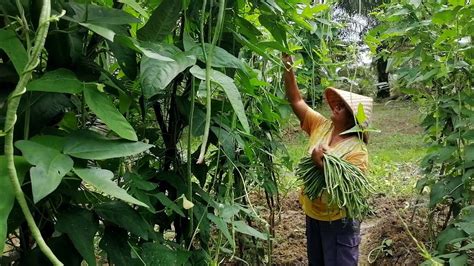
{"x": 446, "y": 236}
{"x": 243, "y": 227}
{"x": 143, "y": 47}
{"x": 246, "y": 28}
{"x": 156, "y": 254}
{"x": 124, "y": 216}
{"x": 272, "y": 25}
{"x": 169, "y": 203}
{"x": 222, "y": 226}
{"x": 81, "y": 226}
{"x": 92, "y": 146}
{"x": 126, "y": 56}
{"x": 467, "y": 227}
{"x": 55, "y": 142}
{"x": 14, "y": 49}
{"x": 444, "y": 16}
{"x": 50, "y": 167}
{"x": 457, "y": 2}
{"x": 226, "y": 140}
{"x": 254, "y": 47}
{"x": 101, "y": 179}
{"x": 302, "y": 22}
{"x": 437, "y": 194}
{"x": 61, "y": 246}
{"x": 115, "y": 243}
{"x": 135, "y": 6}
{"x": 60, "y": 80}
{"x": 354, "y": 129}
{"x": 318, "y": 8}
{"x": 102, "y": 31}
{"x": 459, "y": 260}
{"x": 360, "y": 116}
{"x": 233, "y": 94}
{"x": 228, "y": 211}
{"x": 220, "y": 57}
{"x": 469, "y": 152}
{"x": 95, "y": 14}
{"x": 467, "y": 247}
{"x": 448, "y": 34}
{"x": 156, "y": 74}
{"x": 273, "y": 45}
{"x": 103, "y": 107}
{"x": 162, "y": 22}
{"x": 7, "y": 195}
{"x": 415, "y": 3}
{"x": 69, "y": 123}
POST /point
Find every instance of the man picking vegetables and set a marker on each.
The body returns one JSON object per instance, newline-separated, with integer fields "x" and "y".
{"x": 335, "y": 187}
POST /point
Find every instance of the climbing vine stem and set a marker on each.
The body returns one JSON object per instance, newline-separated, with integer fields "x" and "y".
{"x": 11, "y": 117}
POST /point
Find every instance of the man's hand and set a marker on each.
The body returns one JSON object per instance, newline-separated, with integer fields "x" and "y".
{"x": 287, "y": 60}
{"x": 317, "y": 155}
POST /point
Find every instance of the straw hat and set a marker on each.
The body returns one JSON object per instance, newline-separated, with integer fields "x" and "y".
{"x": 351, "y": 100}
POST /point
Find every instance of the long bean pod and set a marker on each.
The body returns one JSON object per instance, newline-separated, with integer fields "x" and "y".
{"x": 346, "y": 185}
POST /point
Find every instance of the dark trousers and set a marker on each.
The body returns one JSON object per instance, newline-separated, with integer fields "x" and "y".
{"x": 332, "y": 243}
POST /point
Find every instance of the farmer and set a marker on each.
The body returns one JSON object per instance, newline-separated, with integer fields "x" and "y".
{"x": 332, "y": 239}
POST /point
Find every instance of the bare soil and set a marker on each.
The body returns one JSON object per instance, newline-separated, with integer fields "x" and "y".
{"x": 289, "y": 247}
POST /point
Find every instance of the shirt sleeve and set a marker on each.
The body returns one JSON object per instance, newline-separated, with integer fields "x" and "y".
{"x": 358, "y": 158}
{"x": 312, "y": 120}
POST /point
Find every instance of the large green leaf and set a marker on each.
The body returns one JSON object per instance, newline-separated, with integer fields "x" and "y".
{"x": 45, "y": 110}
{"x": 101, "y": 179}
{"x": 124, "y": 216}
{"x": 54, "y": 142}
{"x": 469, "y": 152}
{"x": 157, "y": 74}
{"x": 115, "y": 243}
{"x": 156, "y": 254}
{"x": 248, "y": 29}
{"x": 126, "y": 56}
{"x": 162, "y": 22}
{"x": 444, "y": 16}
{"x": 272, "y": 25}
{"x": 7, "y": 195}
{"x": 81, "y": 226}
{"x": 103, "y": 107}
{"x": 243, "y": 227}
{"x": 92, "y": 146}
{"x": 61, "y": 246}
{"x": 60, "y": 80}
{"x": 460, "y": 260}
{"x": 233, "y": 94}
{"x": 50, "y": 167}
{"x": 135, "y": 6}
{"x": 220, "y": 57}
{"x": 98, "y": 15}
{"x": 169, "y": 203}
{"x": 222, "y": 226}
{"x": 446, "y": 236}
{"x": 143, "y": 47}
{"x": 253, "y": 46}
{"x": 105, "y": 32}
{"x": 14, "y": 49}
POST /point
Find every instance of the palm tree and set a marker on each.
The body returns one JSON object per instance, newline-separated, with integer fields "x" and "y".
{"x": 364, "y": 8}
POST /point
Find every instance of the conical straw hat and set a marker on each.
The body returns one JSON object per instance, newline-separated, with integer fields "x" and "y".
{"x": 352, "y": 101}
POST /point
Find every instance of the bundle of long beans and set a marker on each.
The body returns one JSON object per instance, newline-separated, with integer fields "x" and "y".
{"x": 345, "y": 184}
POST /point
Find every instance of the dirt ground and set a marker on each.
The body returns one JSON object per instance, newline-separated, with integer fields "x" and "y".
{"x": 382, "y": 228}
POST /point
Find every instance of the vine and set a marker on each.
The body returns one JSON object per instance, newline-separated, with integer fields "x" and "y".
{"x": 11, "y": 118}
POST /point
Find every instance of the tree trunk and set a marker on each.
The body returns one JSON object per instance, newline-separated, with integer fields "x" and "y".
{"x": 383, "y": 87}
